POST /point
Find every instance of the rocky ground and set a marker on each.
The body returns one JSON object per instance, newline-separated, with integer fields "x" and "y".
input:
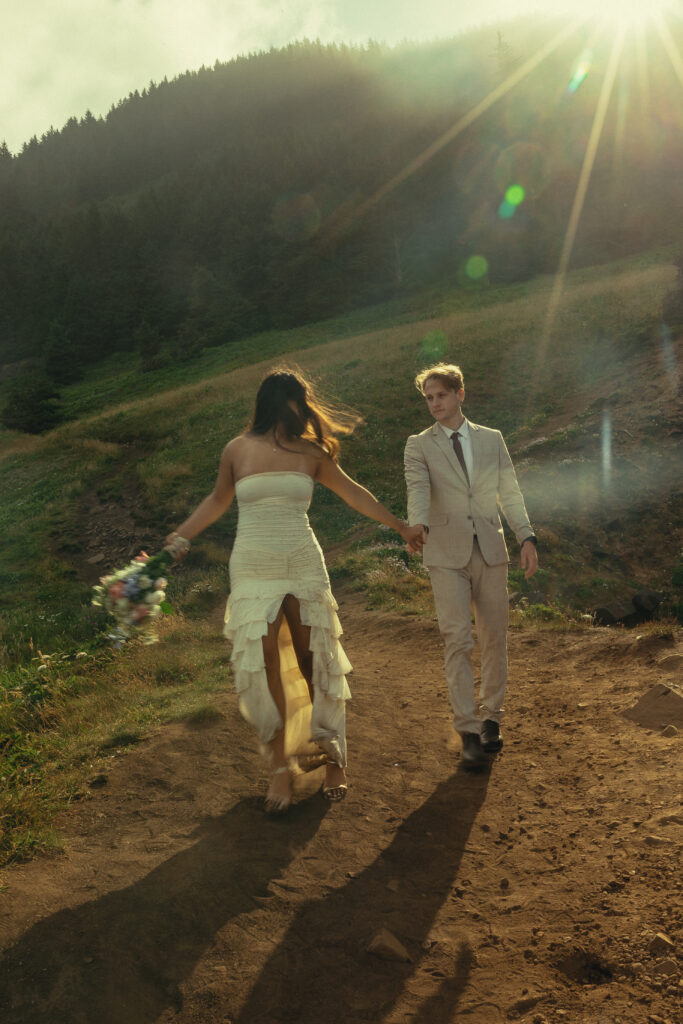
{"x": 545, "y": 888}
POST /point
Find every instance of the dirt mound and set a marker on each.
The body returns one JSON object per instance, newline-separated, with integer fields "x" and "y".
{"x": 659, "y": 708}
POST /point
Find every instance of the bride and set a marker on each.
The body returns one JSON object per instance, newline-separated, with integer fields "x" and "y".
{"x": 289, "y": 666}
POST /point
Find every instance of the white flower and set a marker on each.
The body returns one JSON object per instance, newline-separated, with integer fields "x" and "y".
{"x": 161, "y": 583}
{"x": 156, "y": 597}
{"x": 145, "y": 582}
{"x": 122, "y": 604}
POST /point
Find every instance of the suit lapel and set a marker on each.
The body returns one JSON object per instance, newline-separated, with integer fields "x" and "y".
{"x": 446, "y": 447}
{"x": 477, "y": 453}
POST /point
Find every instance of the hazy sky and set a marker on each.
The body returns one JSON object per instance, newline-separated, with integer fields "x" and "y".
{"x": 63, "y": 57}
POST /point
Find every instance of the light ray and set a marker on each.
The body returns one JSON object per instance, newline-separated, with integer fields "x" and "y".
{"x": 623, "y": 99}
{"x": 581, "y": 190}
{"x": 643, "y": 72}
{"x": 345, "y": 220}
{"x": 669, "y": 45}
{"x": 606, "y": 447}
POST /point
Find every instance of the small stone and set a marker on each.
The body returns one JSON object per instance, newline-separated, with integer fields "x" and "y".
{"x": 388, "y": 947}
{"x": 505, "y": 883}
{"x": 671, "y": 662}
{"x": 661, "y": 945}
{"x": 527, "y": 1002}
{"x": 669, "y": 730}
{"x": 666, "y": 967}
{"x": 98, "y": 780}
{"x": 655, "y": 841}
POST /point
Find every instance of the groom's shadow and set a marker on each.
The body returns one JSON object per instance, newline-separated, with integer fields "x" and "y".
{"x": 322, "y": 970}
{"x": 120, "y": 959}
{"x": 123, "y": 957}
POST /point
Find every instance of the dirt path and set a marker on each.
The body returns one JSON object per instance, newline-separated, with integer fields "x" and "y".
{"x": 534, "y": 890}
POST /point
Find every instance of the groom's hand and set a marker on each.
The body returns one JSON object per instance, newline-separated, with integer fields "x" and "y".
{"x": 417, "y": 542}
{"x": 529, "y": 559}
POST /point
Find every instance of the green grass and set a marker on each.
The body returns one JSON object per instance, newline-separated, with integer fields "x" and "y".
{"x": 63, "y": 718}
{"x": 67, "y": 702}
{"x": 382, "y": 569}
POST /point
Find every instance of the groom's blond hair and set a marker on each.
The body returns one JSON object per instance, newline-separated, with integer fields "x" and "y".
{"x": 448, "y": 373}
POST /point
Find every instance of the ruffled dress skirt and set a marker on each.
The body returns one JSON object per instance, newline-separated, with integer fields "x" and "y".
{"x": 275, "y": 554}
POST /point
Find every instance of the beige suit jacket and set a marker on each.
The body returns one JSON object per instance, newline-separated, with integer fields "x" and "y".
{"x": 440, "y": 497}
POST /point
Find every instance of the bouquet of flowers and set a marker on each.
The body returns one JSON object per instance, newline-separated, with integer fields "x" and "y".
{"x": 135, "y": 596}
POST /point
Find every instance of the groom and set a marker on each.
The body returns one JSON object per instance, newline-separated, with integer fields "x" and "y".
{"x": 457, "y": 474}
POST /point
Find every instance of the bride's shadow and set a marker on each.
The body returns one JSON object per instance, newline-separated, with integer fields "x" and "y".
{"x": 322, "y": 970}
{"x": 123, "y": 957}
{"x": 120, "y": 959}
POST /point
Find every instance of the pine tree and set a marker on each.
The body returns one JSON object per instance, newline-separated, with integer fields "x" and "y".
{"x": 148, "y": 343}
{"x": 62, "y": 363}
{"x": 33, "y": 406}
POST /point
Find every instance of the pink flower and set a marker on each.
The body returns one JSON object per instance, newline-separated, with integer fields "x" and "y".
{"x": 138, "y": 613}
{"x": 116, "y": 590}
{"x": 142, "y": 557}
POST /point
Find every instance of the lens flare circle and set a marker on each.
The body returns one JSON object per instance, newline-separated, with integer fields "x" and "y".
{"x": 522, "y": 166}
{"x": 515, "y": 195}
{"x": 476, "y": 267}
{"x": 433, "y": 346}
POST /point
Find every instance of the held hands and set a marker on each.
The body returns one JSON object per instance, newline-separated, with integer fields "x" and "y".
{"x": 415, "y": 538}
{"x": 529, "y": 559}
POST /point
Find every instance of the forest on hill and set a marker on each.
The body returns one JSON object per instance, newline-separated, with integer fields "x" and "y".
{"x": 253, "y": 195}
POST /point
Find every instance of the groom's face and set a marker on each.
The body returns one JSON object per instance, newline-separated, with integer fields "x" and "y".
{"x": 443, "y": 402}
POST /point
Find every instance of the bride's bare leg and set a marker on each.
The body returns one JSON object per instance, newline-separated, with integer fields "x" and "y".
{"x": 279, "y": 794}
{"x": 335, "y": 777}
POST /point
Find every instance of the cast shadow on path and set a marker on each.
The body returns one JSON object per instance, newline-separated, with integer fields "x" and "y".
{"x": 120, "y": 959}
{"x": 321, "y": 972}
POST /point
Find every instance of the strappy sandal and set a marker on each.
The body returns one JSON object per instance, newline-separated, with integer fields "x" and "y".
{"x": 335, "y": 794}
{"x": 311, "y": 762}
{"x": 278, "y": 804}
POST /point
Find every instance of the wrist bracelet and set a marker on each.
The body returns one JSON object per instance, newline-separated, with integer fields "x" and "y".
{"x": 178, "y": 545}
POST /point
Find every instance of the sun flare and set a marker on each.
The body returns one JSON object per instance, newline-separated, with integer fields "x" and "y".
{"x": 624, "y": 14}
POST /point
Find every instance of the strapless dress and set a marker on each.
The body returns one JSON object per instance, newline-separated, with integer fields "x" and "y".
{"x": 276, "y": 553}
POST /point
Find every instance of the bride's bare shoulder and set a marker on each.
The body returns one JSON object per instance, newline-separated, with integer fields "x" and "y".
{"x": 236, "y": 444}
{"x": 233, "y": 450}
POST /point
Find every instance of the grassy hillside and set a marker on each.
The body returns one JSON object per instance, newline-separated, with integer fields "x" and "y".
{"x": 592, "y": 418}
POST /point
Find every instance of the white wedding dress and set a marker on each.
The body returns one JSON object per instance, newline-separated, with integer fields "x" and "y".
{"x": 276, "y": 553}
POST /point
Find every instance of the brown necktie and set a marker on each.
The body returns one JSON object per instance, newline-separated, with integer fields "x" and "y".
{"x": 457, "y": 448}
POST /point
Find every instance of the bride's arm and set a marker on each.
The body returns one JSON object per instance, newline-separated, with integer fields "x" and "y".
{"x": 359, "y": 498}
{"x": 214, "y": 505}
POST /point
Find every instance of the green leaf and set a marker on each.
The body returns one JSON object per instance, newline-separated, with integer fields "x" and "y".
{"x": 166, "y": 608}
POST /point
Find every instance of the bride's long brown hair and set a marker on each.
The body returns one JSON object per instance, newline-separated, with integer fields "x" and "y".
{"x": 313, "y": 419}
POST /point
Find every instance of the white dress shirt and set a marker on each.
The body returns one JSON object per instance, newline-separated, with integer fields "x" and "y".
{"x": 465, "y": 443}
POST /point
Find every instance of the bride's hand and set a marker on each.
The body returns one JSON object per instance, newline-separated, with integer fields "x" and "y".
{"x": 177, "y": 546}
{"x": 415, "y": 538}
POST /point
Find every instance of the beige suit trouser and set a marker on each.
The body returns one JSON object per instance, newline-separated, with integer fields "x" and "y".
{"x": 484, "y": 588}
